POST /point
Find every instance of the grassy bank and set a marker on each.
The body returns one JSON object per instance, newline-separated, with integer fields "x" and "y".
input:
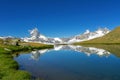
{"x": 9, "y": 67}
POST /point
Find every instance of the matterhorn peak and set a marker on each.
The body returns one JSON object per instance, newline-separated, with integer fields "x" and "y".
{"x": 87, "y": 31}
{"x": 34, "y": 33}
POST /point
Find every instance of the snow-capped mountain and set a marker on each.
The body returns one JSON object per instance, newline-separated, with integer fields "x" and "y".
{"x": 89, "y": 35}
{"x": 35, "y": 36}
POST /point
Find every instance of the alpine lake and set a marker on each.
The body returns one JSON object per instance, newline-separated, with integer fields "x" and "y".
{"x": 69, "y": 62}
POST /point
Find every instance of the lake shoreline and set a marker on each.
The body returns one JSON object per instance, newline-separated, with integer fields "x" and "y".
{"x": 9, "y": 67}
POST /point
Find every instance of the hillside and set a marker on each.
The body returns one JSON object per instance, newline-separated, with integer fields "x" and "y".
{"x": 111, "y": 37}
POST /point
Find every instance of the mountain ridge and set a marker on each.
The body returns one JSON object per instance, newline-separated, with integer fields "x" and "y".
{"x": 111, "y": 37}
{"x": 35, "y": 36}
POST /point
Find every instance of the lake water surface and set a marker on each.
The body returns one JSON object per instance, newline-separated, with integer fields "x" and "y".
{"x": 71, "y": 63}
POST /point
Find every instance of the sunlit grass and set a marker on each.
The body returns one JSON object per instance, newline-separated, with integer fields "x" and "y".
{"x": 35, "y": 44}
{"x": 9, "y": 67}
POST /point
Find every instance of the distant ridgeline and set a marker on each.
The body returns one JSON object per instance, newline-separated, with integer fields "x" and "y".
{"x": 35, "y": 36}
{"x": 111, "y": 37}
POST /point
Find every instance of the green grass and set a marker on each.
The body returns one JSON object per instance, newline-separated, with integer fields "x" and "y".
{"x": 9, "y": 67}
{"x": 16, "y": 75}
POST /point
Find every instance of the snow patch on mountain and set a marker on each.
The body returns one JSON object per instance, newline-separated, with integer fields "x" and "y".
{"x": 58, "y": 39}
{"x": 87, "y": 31}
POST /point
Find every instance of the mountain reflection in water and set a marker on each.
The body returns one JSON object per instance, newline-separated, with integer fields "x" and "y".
{"x": 87, "y": 50}
{"x": 69, "y": 62}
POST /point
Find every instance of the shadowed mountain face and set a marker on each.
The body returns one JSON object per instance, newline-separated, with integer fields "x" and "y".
{"x": 112, "y": 37}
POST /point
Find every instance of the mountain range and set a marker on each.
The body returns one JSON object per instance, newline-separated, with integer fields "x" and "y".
{"x": 36, "y": 36}
{"x": 111, "y": 37}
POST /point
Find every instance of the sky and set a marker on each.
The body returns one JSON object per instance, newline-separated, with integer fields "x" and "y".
{"x": 57, "y": 18}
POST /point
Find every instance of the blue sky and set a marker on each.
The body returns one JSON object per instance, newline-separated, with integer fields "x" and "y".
{"x": 57, "y": 18}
